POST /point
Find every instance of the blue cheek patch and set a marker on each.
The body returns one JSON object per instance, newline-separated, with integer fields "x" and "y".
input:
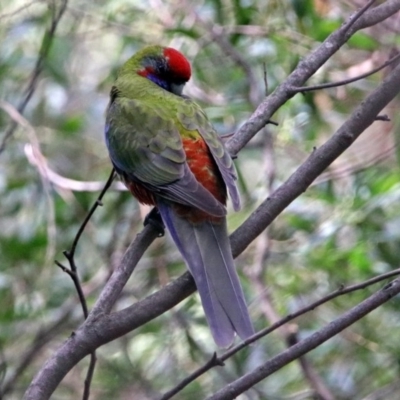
{"x": 158, "y": 81}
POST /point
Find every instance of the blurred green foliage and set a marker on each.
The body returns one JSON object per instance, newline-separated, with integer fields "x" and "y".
{"x": 343, "y": 230}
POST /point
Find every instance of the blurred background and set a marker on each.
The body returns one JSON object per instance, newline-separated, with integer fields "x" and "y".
{"x": 343, "y": 230}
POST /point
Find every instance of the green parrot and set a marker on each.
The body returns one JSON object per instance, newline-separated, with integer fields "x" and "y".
{"x": 169, "y": 155}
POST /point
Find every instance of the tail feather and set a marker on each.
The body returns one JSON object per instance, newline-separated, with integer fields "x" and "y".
{"x": 221, "y": 271}
{"x": 207, "y": 253}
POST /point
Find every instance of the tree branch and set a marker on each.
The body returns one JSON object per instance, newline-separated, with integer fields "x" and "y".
{"x": 306, "y": 68}
{"x": 244, "y": 383}
{"x": 214, "y": 361}
{"x": 362, "y": 117}
{"x": 328, "y": 85}
{"x": 72, "y": 271}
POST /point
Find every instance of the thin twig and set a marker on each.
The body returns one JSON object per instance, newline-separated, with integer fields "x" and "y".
{"x": 98, "y": 203}
{"x": 75, "y": 278}
{"x": 357, "y": 15}
{"x": 303, "y": 89}
{"x": 384, "y": 118}
{"x": 36, "y": 158}
{"x": 72, "y": 271}
{"x": 120, "y": 276}
{"x": 89, "y": 376}
{"x": 265, "y": 78}
{"x": 70, "y": 254}
{"x": 214, "y": 361}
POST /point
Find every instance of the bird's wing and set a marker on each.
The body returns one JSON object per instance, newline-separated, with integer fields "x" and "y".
{"x": 145, "y": 145}
{"x": 192, "y": 117}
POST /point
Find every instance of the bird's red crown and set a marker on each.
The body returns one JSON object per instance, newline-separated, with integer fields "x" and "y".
{"x": 178, "y": 64}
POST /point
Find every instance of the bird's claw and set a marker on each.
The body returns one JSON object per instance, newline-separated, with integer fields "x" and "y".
{"x": 154, "y": 219}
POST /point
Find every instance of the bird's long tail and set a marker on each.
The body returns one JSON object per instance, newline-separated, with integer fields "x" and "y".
{"x": 206, "y": 249}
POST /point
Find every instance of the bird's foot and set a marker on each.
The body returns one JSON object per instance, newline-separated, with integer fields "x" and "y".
{"x": 154, "y": 219}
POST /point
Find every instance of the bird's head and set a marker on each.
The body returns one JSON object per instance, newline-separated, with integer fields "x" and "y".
{"x": 166, "y": 67}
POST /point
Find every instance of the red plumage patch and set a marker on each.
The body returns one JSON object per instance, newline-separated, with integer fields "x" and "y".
{"x": 141, "y": 193}
{"x": 178, "y": 64}
{"x": 145, "y": 72}
{"x": 205, "y": 170}
{"x": 203, "y": 166}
